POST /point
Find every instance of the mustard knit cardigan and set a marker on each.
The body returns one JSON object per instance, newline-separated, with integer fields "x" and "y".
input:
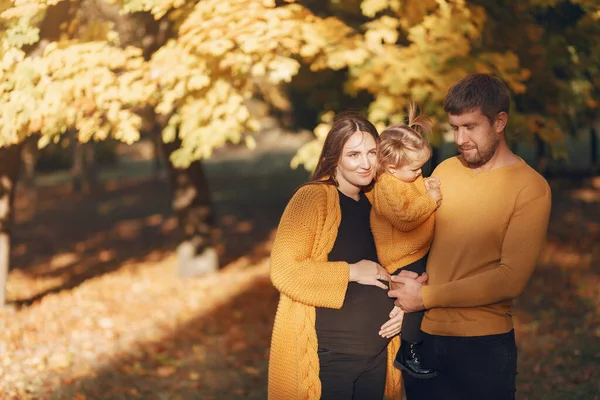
{"x": 305, "y": 279}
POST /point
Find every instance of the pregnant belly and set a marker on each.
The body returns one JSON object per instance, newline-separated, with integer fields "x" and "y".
{"x": 353, "y": 329}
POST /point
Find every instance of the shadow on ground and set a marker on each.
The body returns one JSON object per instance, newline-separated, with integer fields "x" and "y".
{"x": 62, "y": 240}
{"x": 221, "y": 355}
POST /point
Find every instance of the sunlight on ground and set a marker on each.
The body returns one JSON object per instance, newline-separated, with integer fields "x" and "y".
{"x": 565, "y": 257}
{"x": 124, "y": 310}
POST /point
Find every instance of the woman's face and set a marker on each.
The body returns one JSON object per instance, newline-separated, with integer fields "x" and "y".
{"x": 356, "y": 168}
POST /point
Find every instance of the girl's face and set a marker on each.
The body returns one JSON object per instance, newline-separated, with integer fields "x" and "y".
{"x": 411, "y": 171}
{"x": 356, "y": 167}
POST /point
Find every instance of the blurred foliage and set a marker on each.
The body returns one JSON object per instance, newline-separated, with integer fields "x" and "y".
{"x": 110, "y": 69}
{"x": 547, "y": 52}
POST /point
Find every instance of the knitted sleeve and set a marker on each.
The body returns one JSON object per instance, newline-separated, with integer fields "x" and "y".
{"x": 405, "y": 206}
{"x": 521, "y": 246}
{"x": 297, "y": 269}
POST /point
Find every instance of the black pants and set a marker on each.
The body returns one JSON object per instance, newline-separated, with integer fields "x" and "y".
{"x": 352, "y": 377}
{"x": 411, "y": 324}
{"x": 481, "y": 367}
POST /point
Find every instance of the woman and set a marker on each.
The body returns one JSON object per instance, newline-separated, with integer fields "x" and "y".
{"x": 333, "y": 322}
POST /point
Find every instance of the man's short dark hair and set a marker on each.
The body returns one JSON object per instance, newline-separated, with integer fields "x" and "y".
{"x": 478, "y": 91}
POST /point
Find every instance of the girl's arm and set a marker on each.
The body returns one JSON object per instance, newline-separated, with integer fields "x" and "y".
{"x": 402, "y": 204}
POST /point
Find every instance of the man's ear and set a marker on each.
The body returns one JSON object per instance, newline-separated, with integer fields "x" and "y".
{"x": 500, "y": 122}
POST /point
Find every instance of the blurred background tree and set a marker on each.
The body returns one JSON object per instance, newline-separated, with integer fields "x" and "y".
{"x": 546, "y": 51}
{"x": 182, "y": 73}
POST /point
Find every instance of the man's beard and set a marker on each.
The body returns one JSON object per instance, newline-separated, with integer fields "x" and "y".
{"x": 481, "y": 155}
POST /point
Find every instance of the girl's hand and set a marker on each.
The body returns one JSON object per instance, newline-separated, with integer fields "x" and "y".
{"x": 433, "y": 182}
{"x": 436, "y": 195}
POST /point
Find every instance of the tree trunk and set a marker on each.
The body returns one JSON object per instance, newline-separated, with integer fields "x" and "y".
{"x": 29, "y": 158}
{"x": 10, "y": 163}
{"x": 90, "y": 167}
{"x": 77, "y": 168}
{"x": 83, "y": 172}
{"x": 192, "y": 205}
{"x": 29, "y": 155}
{"x": 594, "y": 147}
{"x": 541, "y": 161}
{"x": 157, "y": 167}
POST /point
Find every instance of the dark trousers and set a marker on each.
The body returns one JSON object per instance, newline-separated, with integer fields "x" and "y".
{"x": 352, "y": 377}
{"x": 411, "y": 324}
{"x": 481, "y": 367}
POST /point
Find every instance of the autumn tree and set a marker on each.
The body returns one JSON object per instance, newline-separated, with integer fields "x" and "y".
{"x": 414, "y": 51}
{"x": 183, "y": 70}
{"x": 558, "y": 42}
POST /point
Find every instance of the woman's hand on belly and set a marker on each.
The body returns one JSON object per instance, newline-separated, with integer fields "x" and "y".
{"x": 392, "y": 327}
{"x": 367, "y": 272}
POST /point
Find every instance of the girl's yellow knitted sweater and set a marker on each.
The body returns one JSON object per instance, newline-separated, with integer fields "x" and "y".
{"x": 305, "y": 279}
{"x": 402, "y": 220}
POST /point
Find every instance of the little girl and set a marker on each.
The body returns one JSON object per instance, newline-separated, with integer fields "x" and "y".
{"x": 404, "y": 205}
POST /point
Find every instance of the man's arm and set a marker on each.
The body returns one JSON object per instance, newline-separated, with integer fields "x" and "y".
{"x": 520, "y": 249}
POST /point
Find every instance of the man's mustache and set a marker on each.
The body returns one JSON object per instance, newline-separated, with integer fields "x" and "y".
{"x": 463, "y": 148}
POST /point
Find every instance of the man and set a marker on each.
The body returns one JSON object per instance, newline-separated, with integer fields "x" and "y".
{"x": 488, "y": 234}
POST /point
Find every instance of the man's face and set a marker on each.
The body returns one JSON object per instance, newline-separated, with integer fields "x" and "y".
{"x": 476, "y": 138}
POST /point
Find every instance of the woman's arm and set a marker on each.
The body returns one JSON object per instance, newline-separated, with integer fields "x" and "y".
{"x": 299, "y": 242}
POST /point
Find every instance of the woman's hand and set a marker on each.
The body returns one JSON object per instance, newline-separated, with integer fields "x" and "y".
{"x": 422, "y": 279}
{"x": 393, "y": 326}
{"x": 368, "y": 272}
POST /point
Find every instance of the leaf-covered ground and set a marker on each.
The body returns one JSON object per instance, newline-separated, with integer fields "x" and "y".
{"x": 97, "y": 311}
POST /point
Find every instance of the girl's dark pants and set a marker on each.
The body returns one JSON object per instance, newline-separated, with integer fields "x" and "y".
{"x": 411, "y": 324}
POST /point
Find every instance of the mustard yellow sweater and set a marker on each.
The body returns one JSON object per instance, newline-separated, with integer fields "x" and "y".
{"x": 402, "y": 220}
{"x": 305, "y": 280}
{"x": 489, "y": 231}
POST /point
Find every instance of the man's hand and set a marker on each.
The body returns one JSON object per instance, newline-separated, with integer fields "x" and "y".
{"x": 407, "y": 291}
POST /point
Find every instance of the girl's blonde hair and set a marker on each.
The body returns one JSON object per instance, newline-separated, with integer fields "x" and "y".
{"x": 397, "y": 140}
